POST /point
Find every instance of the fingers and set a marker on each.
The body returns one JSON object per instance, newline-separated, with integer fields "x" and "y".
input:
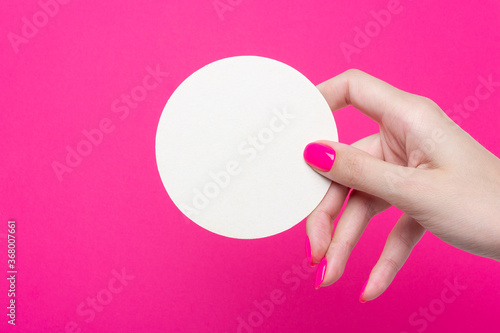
{"x": 378, "y": 183}
{"x": 359, "y": 210}
{"x": 400, "y": 242}
{"x": 372, "y": 96}
{"x": 320, "y": 221}
{"x": 354, "y": 168}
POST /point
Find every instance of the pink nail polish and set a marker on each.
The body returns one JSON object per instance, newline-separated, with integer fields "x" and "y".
{"x": 319, "y": 156}
{"x": 309, "y": 252}
{"x": 362, "y": 292}
{"x": 320, "y": 273}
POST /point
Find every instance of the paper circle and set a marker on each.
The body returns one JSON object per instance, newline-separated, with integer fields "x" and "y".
{"x": 229, "y": 146}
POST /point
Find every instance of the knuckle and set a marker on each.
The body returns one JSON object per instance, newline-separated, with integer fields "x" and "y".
{"x": 406, "y": 241}
{"x": 426, "y": 104}
{"x": 346, "y": 246}
{"x": 371, "y": 210}
{"x": 391, "y": 264}
{"x": 320, "y": 225}
{"x": 371, "y": 205}
{"x": 322, "y": 215}
{"x": 324, "y": 221}
{"x": 352, "y": 168}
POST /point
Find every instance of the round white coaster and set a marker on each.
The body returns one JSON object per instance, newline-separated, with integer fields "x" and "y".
{"x": 229, "y": 146}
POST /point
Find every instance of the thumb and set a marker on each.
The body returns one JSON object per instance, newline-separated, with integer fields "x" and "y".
{"x": 359, "y": 170}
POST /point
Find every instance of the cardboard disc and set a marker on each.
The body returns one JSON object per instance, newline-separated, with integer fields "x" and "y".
{"x": 229, "y": 146}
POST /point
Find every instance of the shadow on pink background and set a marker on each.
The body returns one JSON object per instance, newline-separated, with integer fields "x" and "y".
{"x": 102, "y": 248}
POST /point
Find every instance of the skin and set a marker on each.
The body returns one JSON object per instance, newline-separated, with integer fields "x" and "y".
{"x": 420, "y": 162}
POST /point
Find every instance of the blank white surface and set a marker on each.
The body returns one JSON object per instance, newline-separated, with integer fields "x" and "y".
{"x": 253, "y": 112}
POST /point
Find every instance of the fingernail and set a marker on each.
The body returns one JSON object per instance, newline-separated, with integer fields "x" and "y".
{"x": 319, "y": 156}
{"x": 362, "y": 292}
{"x": 320, "y": 273}
{"x": 309, "y": 252}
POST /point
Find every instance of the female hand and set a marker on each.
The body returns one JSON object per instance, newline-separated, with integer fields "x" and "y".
{"x": 421, "y": 162}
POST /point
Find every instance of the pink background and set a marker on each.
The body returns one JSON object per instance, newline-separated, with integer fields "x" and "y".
{"x": 112, "y": 212}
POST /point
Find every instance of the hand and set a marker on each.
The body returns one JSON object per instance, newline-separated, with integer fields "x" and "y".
{"x": 421, "y": 162}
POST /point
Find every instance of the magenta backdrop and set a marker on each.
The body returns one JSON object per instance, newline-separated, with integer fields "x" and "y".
{"x": 102, "y": 248}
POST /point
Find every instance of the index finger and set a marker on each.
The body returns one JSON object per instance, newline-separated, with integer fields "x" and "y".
{"x": 373, "y": 97}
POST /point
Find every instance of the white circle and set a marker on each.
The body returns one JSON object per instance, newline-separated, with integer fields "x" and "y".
{"x": 210, "y": 133}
